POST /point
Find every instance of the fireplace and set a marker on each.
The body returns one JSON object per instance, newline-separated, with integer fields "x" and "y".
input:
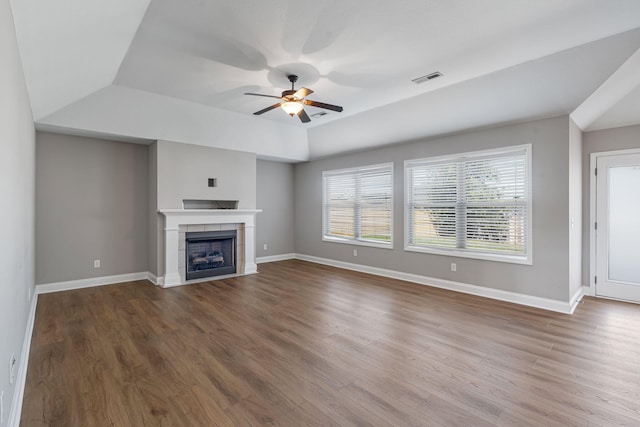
{"x": 179, "y": 222}
{"x": 210, "y": 253}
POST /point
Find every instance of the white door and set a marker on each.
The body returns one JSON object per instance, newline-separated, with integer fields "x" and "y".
{"x": 618, "y": 227}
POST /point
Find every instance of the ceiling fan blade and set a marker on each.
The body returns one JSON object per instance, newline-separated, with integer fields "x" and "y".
{"x": 264, "y": 110}
{"x": 322, "y": 105}
{"x": 304, "y": 118}
{"x": 266, "y": 96}
{"x": 302, "y": 92}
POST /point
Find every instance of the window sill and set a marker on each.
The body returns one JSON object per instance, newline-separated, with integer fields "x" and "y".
{"x": 357, "y": 242}
{"x": 512, "y": 259}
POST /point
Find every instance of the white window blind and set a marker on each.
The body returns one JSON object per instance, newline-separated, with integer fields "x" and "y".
{"x": 358, "y": 205}
{"x": 474, "y": 204}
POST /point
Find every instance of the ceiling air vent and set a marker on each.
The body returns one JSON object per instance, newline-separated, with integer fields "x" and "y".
{"x": 427, "y": 77}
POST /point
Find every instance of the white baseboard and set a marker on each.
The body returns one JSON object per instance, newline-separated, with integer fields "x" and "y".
{"x": 513, "y": 297}
{"x": 88, "y": 283}
{"x": 153, "y": 278}
{"x": 273, "y": 258}
{"x": 575, "y": 299}
{"x": 588, "y": 291}
{"x": 16, "y": 404}
{"x": 250, "y": 268}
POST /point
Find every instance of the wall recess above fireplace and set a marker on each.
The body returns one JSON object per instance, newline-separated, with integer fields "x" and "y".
{"x": 209, "y": 204}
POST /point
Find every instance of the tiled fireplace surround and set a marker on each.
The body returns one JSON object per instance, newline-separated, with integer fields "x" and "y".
{"x": 180, "y": 221}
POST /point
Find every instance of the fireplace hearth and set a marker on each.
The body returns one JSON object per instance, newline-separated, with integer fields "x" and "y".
{"x": 210, "y": 253}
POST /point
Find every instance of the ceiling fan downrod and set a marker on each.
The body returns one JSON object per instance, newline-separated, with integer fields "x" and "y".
{"x": 292, "y": 78}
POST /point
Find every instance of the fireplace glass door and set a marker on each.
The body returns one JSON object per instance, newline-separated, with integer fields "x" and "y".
{"x": 210, "y": 253}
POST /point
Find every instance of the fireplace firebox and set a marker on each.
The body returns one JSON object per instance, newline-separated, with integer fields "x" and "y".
{"x": 210, "y": 253}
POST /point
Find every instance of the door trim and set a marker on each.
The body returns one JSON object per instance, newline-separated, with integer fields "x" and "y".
{"x": 593, "y": 209}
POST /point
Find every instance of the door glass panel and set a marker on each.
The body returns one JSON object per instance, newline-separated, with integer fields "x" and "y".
{"x": 624, "y": 224}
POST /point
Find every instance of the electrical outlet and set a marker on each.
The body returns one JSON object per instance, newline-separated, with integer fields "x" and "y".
{"x": 96, "y": 263}
{"x": 12, "y": 369}
{"x": 454, "y": 267}
{"x": 265, "y": 247}
{"x": 355, "y": 252}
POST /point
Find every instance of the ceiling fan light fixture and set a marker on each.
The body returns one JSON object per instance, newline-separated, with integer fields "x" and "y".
{"x": 293, "y": 102}
{"x": 292, "y": 108}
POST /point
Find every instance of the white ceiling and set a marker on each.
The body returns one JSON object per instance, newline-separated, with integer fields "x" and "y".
{"x": 166, "y": 69}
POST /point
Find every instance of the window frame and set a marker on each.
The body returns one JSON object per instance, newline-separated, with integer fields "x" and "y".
{"x": 356, "y": 240}
{"x": 527, "y": 258}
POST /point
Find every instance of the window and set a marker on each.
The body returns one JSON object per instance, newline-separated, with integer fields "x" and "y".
{"x": 474, "y": 205}
{"x": 358, "y": 205}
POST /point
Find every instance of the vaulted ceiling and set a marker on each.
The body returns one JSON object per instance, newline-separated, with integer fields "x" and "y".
{"x": 142, "y": 70}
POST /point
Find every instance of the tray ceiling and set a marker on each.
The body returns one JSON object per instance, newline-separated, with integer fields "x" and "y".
{"x": 93, "y": 66}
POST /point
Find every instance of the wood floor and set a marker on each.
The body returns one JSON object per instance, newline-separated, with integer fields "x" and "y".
{"x": 304, "y": 344}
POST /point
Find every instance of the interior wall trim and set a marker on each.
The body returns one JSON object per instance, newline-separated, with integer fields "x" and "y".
{"x": 154, "y": 279}
{"x": 566, "y": 307}
{"x": 273, "y": 258}
{"x": 576, "y": 298}
{"x": 16, "y": 404}
{"x": 91, "y": 282}
{"x": 593, "y": 163}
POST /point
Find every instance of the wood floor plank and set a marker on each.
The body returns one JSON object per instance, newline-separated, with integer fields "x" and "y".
{"x": 306, "y": 344}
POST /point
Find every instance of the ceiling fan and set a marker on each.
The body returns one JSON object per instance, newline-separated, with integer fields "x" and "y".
{"x": 293, "y": 102}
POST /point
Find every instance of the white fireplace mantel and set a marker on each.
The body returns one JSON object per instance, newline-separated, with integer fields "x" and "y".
{"x": 174, "y": 218}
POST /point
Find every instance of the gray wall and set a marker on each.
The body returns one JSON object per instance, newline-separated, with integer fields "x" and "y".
{"x": 623, "y": 138}
{"x": 92, "y": 201}
{"x": 548, "y": 277}
{"x": 183, "y": 170}
{"x": 17, "y": 193}
{"x": 275, "y": 224}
